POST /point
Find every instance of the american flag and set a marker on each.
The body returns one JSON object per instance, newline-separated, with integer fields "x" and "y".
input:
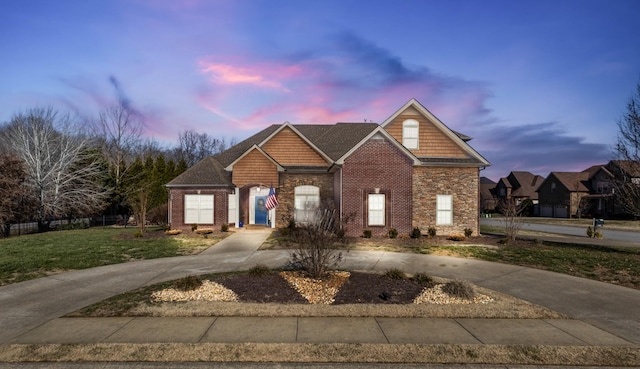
{"x": 272, "y": 200}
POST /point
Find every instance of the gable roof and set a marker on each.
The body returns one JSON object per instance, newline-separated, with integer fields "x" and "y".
{"x": 459, "y": 139}
{"x": 208, "y": 172}
{"x": 572, "y": 181}
{"x": 302, "y": 136}
{"x": 526, "y": 184}
{"x": 231, "y": 154}
{"x": 252, "y": 148}
{"x": 333, "y": 142}
{"x": 382, "y": 132}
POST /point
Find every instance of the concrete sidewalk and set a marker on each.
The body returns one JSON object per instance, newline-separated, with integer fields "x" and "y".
{"x": 527, "y": 332}
{"x": 600, "y": 313}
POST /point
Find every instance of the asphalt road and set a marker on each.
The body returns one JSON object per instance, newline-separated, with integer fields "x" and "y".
{"x": 609, "y": 234}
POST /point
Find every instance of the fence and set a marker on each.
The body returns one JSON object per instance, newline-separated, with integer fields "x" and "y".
{"x": 32, "y": 227}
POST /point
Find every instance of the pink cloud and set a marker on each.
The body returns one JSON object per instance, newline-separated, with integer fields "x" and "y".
{"x": 265, "y": 75}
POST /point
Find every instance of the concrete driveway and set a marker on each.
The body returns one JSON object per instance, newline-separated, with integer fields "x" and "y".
{"x": 29, "y": 304}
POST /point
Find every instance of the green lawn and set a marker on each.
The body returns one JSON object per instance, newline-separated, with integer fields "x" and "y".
{"x": 36, "y": 255}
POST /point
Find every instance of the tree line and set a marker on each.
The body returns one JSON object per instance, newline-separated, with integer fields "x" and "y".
{"x": 56, "y": 166}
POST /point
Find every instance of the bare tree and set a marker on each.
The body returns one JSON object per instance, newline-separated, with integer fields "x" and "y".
{"x": 62, "y": 173}
{"x": 627, "y": 168}
{"x": 193, "y": 146}
{"x": 317, "y": 243}
{"x": 512, "y": 220}
{"x": 120, "y": 130}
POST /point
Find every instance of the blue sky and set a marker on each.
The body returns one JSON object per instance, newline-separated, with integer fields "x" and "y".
{"x": 540, "y": 85}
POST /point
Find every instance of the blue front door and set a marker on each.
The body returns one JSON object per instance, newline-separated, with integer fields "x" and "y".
{"x": 261, "y": 210}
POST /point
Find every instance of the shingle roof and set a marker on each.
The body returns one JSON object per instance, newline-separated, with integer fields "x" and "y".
{"x": 526, "y": 184}
{"x": 207, "y": 172}
{"x": 337, "y": 139}
{"x": 573, "y": 181}
{"x": 333, "y": 140}
{"x": 228, "y": 156}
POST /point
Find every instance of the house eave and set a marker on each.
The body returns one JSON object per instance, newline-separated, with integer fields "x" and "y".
{"x": 199, "y": 185}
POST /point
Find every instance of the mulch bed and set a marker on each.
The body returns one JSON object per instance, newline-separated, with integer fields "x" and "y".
{"x": 360, "y": 288}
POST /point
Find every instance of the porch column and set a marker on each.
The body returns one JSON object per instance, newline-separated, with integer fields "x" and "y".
{"x": 237, "y": 210}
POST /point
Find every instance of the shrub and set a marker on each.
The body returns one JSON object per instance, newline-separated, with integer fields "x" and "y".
{"x": 189, "y": 283}
{"x": 597, "y": 234}
{"x": 424, "y": 280}
{"x": 393, "y": 233}
{"x": 138, "y": 234}
{"x": 456, "y": 237}
{"x": 172, "y": 232}
{"x": 590, "y": 232}
{"x": 366, "y": 233}
{"x": 317, "y": 250}
{"x": 259, "y": 270}
{"x": 431, "y": 231}
{"x": 224, "y": 227}
{"x": 460, "y": 289}
{"x": 194, "y": 227}
{"x": 468, "y": 232}
{"x": 415, "y": 232}
{"x": 395, "y": 273}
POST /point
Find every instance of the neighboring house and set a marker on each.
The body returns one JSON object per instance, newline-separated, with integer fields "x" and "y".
{"x": 519, "y": 186}
{"x": 410, "y": 171}
{"x": 577, "y": 194}
{"x": 487, "y": 195}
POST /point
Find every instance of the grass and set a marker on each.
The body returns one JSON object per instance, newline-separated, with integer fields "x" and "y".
{"x": 32, "y": 256}
{"x": 37, "y": 255}
{"x": 607, "y": 264}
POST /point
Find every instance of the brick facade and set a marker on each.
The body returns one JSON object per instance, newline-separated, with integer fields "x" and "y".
{"x": 176, "y": 206}
{"x": 377, "y": 164}
{"x": 461, "y": 183}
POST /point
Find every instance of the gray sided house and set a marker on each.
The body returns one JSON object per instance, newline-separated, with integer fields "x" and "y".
{"x": 410, "y": 171}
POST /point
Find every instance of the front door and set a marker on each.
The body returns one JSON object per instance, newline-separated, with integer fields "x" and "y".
{"x": 260, "y": 210}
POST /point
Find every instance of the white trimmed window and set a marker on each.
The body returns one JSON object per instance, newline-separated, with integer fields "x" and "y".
{"x": 198, "y": 209}
{"x": 376, "y": 205}
{"x": 444, "y": 209}
{"x": 307, "y": 200}
{"x": 410, "y": 133}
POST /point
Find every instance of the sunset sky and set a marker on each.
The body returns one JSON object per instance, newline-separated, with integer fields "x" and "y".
{"x": 539, "y": 84}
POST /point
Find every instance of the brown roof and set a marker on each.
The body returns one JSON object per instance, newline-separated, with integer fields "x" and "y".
{"x": 333, "y": 140}
{"x": 525, "y": 184}
{"x": 631, "y": 168}
{"x": 206, "y": 172}
{"x": 573, "y": 181}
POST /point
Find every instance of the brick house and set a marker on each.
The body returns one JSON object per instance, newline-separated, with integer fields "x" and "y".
{"x": 409, "y": 171}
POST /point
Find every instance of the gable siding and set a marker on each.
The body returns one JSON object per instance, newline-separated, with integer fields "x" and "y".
{"x": 461, "y": 183}
{"x": 377, "y": 164}
{"x": 287, "y": 148}
{"x": 432, "y": 141}
{"x": 254, "y": 168}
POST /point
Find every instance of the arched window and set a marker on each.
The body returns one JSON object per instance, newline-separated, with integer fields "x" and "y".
{"x": 307, "y": 200}
{"x": 410, "y": 133}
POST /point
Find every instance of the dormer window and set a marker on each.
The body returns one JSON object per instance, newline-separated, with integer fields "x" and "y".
{"x": 410, "y": 133}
